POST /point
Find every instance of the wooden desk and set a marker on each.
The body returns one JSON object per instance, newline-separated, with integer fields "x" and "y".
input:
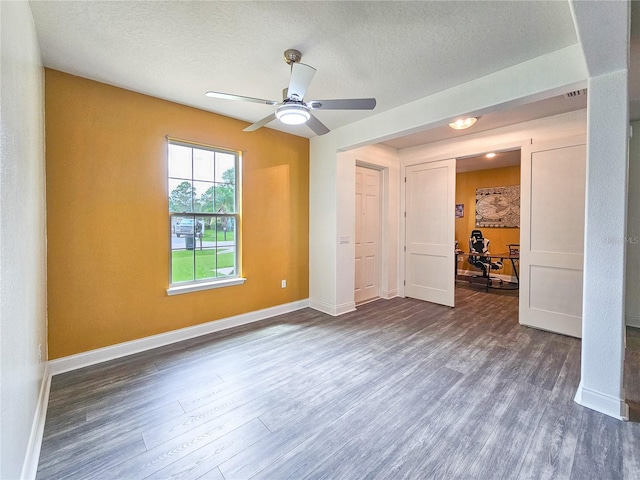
{"x": 513, "y": 256}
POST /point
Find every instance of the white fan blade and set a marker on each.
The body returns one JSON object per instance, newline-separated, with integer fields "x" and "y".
{"x": 260, "y": 123}
{"x": 343, "y": 104}
{"x": 229, "y": 96}
{"x": 317, "y": 126}
{"x": 301, "y": 76}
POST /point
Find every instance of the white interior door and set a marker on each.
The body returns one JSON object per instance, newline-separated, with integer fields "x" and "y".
{"x": 368, "y": 234}
{"x": 552, "y": 235}
{"x": 430, "y": 231}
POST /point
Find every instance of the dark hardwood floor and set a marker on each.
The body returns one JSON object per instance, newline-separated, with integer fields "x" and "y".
{"x": 399, "y": 389}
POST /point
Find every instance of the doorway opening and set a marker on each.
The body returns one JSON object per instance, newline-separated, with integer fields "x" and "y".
{"x": 487, "y": 223}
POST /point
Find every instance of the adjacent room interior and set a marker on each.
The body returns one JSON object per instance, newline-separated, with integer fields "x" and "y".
{"x": 488, "y": 219}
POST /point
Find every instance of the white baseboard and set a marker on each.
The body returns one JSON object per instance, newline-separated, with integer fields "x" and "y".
{"x": 32, "y": 456}
{"x": 603, "y": 403}
{"x": 92, "y": 357}
{"x": 322, "y": 306}
{"x": 345, "y": 308}
{"x": 389, "y": 294}
{"x": 331, "y": 309}
{"x": 632, "y": 321}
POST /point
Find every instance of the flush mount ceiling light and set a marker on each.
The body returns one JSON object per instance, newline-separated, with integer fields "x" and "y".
{"x": 463, "y": 123}
{"x": 490, "y": 155}
{"x": 293, "y": 113}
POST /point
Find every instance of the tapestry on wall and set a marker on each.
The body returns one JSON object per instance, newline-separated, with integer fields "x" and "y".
{"x": 498, "y": 207}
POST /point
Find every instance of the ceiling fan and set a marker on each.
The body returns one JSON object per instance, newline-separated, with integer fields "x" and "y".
{"x": 293, "y": 110}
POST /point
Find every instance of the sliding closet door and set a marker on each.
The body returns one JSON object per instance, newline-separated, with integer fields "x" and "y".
{"x": 552, "y": 237}
{"x": 430, "y": 231}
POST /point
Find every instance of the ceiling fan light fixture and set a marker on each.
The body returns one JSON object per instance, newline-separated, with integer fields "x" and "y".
{"x": 463, "y": 123}
{"x": 293, "y": 114}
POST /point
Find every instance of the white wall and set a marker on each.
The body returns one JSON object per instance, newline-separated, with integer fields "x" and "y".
{"x": 332, "y": 214}
{"x": 22, "y": 234}
{"x": 323, "y": 235}
{"x": 529, "y": 81}
{"x": 603, "y": 299}
{"x": 603, "y": 31}
{"x": 333, "y": 193}
{"x": 337, "y": 178}
{"x": 632, "y": 303}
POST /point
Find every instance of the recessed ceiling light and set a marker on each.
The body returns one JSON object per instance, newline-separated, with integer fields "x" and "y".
{"x": 463, "y": 123}
{"x": 490, "y": 155}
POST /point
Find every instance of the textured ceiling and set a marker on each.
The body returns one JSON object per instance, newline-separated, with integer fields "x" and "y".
{"x": 395, "y": 51}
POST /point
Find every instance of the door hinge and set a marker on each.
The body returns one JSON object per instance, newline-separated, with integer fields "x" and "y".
{"x": 405, "y": 283}
{"x": 405, "y": 248}
{"x": 405, "y": 214}
{"x": 405, "y": 179}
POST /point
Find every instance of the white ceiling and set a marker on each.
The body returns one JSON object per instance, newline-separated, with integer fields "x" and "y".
{"x": 481, "y": 162}
{"x": 394, "y": 51}
{"x": 530, "y": 111}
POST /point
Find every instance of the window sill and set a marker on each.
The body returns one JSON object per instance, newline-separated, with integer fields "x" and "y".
{"x": 196, "y": 287}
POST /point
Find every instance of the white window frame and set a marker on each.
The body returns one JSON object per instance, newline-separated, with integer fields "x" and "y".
{"x": 196, "y": 285}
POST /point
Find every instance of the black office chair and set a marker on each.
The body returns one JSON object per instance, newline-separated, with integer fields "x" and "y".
{"x": 478, "y": 245}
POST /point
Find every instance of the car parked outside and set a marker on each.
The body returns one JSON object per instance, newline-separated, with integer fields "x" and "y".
{"x": 185, "y": 227}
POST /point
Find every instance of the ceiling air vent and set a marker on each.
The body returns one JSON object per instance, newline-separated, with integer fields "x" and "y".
{"x": 576, "y": 93}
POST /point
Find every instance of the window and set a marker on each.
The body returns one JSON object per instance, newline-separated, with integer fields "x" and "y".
{"x": 203, "y": 212}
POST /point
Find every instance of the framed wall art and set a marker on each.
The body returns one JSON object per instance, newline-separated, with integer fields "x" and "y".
{"x": 498, "y": 207}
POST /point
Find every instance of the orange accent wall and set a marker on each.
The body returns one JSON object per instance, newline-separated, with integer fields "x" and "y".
{"x": 466, "y": 185}
{"x": 108, "y": 224}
